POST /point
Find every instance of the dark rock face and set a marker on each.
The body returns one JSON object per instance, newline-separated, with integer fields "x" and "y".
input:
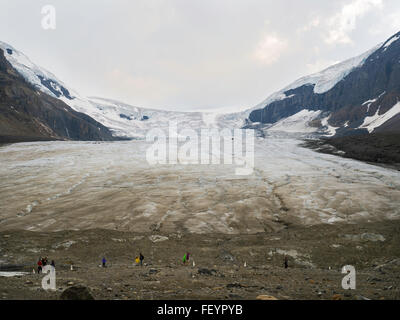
{"x": 378, "y": 78}
{"x": 76, "y": 293}
{"x": 57, "y": 89}
{"x": 124, "y": 116}
{"x": 29, "y": 115}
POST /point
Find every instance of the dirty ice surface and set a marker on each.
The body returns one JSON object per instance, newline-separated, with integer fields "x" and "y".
{"x": 9, "y": 274}
{"x": 51, "y": 186}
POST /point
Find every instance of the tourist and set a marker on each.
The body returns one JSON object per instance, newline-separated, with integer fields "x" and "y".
{"x": 141, "y": 258}
{"x": 40, "y": 264}
{"x": 186, "y": 258}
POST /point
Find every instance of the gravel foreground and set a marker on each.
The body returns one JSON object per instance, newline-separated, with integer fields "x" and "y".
{"x": 232, "y": 267}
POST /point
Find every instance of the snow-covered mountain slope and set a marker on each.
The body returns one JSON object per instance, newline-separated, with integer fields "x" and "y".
{"x": 39, "y": 77}
{"x": 322, "y": 81}
{"x": 359, "y": 95}
{"x": 122, "y": 119}
{"x": 348, "y": 96}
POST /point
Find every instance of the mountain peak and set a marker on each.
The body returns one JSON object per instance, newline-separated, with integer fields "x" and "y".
{"x": 341, "y": 91}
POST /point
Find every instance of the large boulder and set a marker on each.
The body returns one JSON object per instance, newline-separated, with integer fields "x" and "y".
{"x": 76, "y": 293}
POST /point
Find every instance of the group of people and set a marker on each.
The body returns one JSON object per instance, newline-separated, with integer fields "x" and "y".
{"x": 139, "y": 259}
{"x": 42, "y": 262}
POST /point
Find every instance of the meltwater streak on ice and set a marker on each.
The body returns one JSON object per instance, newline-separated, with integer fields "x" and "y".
{"x": 289, "y": 184}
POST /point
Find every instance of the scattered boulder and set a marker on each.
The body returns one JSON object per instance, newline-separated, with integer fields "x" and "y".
{"x": 372, "y": 237}
{"x": 153, "y": 271}
{"x": 157, "y": 238}
{"x": 76, "y": 293}
{"x": 235, "y": 296}
{"x": 207, "y": 272}
{"x": 365, "y": 237}
{"x": 266, "y": 297}
{"x": 227, "y": 256}
{"x": 218, "y": 288}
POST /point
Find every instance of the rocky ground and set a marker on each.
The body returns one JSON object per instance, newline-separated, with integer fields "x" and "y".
{"x": 378, "y": 148}
{"x": 316, "y": 255}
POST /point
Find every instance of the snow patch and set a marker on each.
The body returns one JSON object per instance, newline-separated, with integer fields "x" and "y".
{"x": 369, "y": 102}
{"x": 375, "y": 121}
{"x": 389, "y": 43}
{"x": 298, "y": 122}
{"x": 330, "y": 131}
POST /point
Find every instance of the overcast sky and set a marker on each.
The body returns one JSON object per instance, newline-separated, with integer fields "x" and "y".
{"x": 194, "y": 54}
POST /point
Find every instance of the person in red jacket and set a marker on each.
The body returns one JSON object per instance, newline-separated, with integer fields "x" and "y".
{"x": 40, "y": 264}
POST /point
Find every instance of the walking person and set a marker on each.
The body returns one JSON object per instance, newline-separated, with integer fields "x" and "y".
{"x": 186, "y": 258}
{"x": 103, "y": 262}
{"x": 286, "y": 262}
{"x": 40, "y": 265}
{"x": 141, "y": 258}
